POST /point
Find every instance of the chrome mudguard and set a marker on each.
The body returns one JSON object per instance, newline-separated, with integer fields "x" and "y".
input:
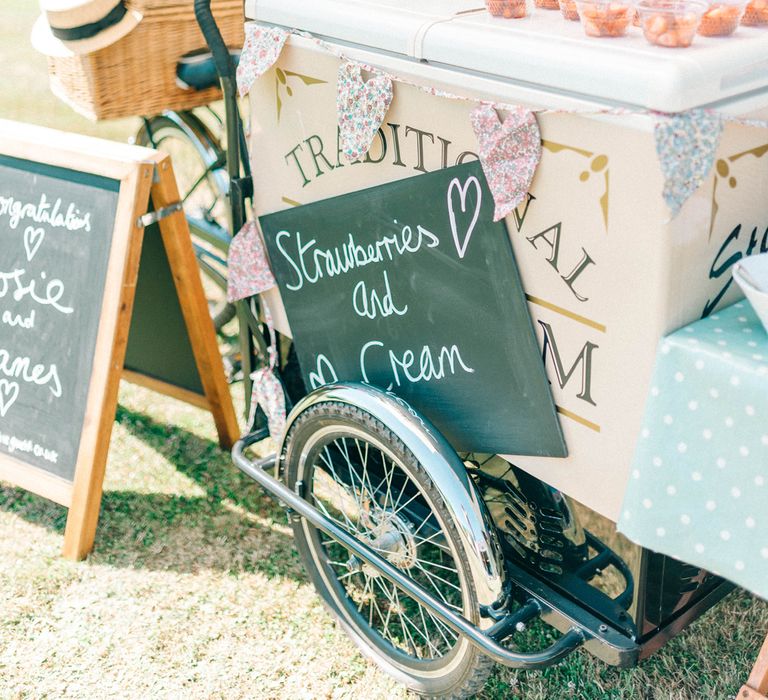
{"x": 447, "y": 471}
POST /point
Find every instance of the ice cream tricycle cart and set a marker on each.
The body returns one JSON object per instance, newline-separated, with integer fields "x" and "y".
{"x": 444, "y": 484}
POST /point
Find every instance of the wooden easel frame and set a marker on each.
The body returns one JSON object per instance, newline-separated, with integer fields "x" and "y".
{"x": 174, "y": 231}
{"x": 141, "y": 173}
{"x": 756, "y": 688}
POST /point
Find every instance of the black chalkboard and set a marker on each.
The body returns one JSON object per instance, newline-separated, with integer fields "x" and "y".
{"x": 158, "y": 342}
{"x": 55, "y": 235}
{"x": 412, "y": 287}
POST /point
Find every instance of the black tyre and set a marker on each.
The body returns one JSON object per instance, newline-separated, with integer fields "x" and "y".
{"x": 358, "y": 473}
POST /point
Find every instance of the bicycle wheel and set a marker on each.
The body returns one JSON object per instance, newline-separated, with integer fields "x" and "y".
{"x": 359, "y": 474}
{"x": 198, "y": 163}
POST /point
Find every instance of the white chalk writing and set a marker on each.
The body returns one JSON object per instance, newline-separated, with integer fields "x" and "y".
{"x": 14, "y": 283}
{"x": 22, "y": 368}
{"x": 55, "y": 215}
{"x": 311, "y": 263}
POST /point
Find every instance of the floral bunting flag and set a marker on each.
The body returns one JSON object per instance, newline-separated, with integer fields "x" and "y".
{"x": 686, "y": 144}
{"x": 248, "y": 269}
{"x": 268, "y": 394}
{"x": 361, "y": 106}
{"x": 267, "y": 389}
{"x": 249, "y": 274}
{"x": 509, "y": 153}
{"x": 261, "y": 49}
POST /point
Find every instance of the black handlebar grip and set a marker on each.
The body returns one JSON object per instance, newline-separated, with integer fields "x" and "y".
{"x": 221, "y": 58}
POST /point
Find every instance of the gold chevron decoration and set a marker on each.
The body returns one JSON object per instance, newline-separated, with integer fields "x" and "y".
{"x": 723, "y": 173}
{"x": 282, "y": 85}
{"x": 598, "y": 166}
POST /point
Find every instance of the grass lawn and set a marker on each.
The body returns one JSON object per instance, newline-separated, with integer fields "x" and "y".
{"x": 194, "y": 588}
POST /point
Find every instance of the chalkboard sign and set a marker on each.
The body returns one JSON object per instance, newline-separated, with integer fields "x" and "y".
{"x": 160, "y": 325}
{"x": 411, "y": 287}
{"x": 56, "y": 229}
{"x": 71, "y": 228}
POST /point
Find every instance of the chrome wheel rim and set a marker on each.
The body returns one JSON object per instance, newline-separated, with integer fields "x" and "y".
{"x": 358, "y": 482}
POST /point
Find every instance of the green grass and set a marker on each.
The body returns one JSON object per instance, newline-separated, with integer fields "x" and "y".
{"x": 194, "y": 588}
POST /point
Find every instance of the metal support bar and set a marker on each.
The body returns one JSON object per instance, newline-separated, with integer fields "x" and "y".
{"x": 571, "y": 640}
{"x": 514, "y": 622}
{"x": 152, "y": 217}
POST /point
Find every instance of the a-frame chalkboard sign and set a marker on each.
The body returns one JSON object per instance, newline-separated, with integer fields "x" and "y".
{"x": 72, "y": 224}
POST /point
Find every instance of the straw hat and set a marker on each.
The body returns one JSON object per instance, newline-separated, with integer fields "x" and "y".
{"x": 70, "y": 27}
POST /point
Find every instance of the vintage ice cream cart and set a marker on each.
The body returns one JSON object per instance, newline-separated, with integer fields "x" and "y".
{"x": 438, "y": 513}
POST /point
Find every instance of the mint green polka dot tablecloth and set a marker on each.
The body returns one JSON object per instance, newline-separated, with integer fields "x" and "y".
{"x": 698, "y": 489}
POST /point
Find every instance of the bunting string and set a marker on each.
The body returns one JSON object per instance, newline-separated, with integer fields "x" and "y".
{"x": 686, "y": 142}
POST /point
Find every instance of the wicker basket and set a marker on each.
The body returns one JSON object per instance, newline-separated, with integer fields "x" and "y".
{"x": 137, "y": 74}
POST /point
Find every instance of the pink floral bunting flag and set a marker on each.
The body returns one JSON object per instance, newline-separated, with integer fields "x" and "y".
{"x": 248, "y": 268}
{"x": 267, "y": 389}
{"x": 261, "y": 49}
{"x": 509, "y": 153}
{"x": 249, "y": 274}
{"x": 269, "y": 395}
{"x": 361, "y": 107}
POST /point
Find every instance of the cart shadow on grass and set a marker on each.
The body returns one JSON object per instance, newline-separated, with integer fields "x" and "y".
{"x": 232, "y": 527}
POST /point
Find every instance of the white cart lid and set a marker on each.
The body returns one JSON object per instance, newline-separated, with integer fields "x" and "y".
{"x": 543, "y": 51}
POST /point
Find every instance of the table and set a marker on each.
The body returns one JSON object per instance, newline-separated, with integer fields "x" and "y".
{"x": 698, "y": 489}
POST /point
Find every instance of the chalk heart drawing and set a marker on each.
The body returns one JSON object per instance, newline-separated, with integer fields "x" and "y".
{"x": 9, "y": 392}
{"x": 33, "y": 237}
{"x": 462, "y": 244}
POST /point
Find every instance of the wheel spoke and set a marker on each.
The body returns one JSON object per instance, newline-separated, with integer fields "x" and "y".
{"x": 423, "y": 634}
{"x": 439, "y": 592}
{"x": 418, "y": 529}
{"x": 401, "y": 615}
{"x": 429, "y": 642}
{"x": 337, "y": 563}
{"x": 363, "y": 458}
{"x": 366, "y": 589}
{"x": 195, "y": 185}
{"x": 349, "y": 523}
{"x": 376, "y": 605}
{"x": 389, "y": 476}
{"x": 442, "y": 626}
{"x": 351, "y": 468}
{"x": 412, "y": 498}
{"x": 430, "y": 540}
{"x": 352, "y": 471}
{"x": 394, "y": 600}
{"x": 380, "y": 502}
{"x": 439, "y": 566}
{"x": 340, "y": 485}
{"x": 433, "y": 577}
{"x": 390, "y": 607}
{"x": 402, "y": 491}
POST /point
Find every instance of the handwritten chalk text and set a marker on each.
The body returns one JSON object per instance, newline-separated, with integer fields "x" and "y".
{"x": 311, "y": 263}
{"x": 13, "y": 282}
{"x": 369, "y": 304}
{"x": 14, "y": 444}
{"x": 22, "y": 368}
{"x": 17, "y": 320}
{"x": 406, "y": 367}
{"x": 55, "y": 215}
